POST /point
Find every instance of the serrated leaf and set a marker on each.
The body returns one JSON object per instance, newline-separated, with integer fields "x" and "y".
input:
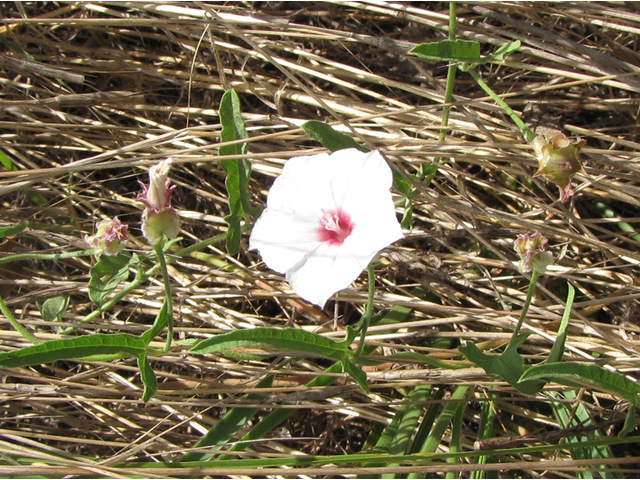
{"x": 330, "y": 138}
{"x": 578, "y": 374}
{"x": 12, "y": 230}
{"x": 52, "y": 308}
{"x": 448, "y": 51}
{"x": 73, "y": 348}
{"x": 238, "y": 171}
{"x": 148, "y": 377}
{"x": 106, "y": 275}
{"x": 271, "y": 341}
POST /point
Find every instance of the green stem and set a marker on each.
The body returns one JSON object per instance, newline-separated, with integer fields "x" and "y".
{"x": 46, "y": 256}
{"x": 525, "y": 308}
{"x": 15, "y": 324}
{"x": 363, "y": 324}
{"x": 159, "y": 248}
{"x": 528, "y": 134}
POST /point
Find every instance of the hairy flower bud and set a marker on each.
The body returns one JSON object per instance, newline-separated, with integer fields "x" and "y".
{"x": 559, "y": 160}
{"x": 108, "y": 237}
{"x": 159, "y": 218}
{"x": 530, "y": 247}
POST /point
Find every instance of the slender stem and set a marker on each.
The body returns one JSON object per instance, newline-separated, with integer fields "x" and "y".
{"x": 448, "y": 93}
{"x": 159, "y": 248}
{"x": 46, "y": 256}
{"x": 525, "y": 308}
{"x": 15, "y": 324}
{"x": 526, "y": 132}
{"x": 368, "y": 309}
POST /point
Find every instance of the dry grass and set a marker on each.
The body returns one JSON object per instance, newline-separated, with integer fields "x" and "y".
{"x": 112, "y": 87}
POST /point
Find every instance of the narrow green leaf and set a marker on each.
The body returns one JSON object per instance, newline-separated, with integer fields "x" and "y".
{"x": 228, "y": 426}
{"x": 7, "y": 162}
{"x": 52, "y": 308}
{"x": 558, "y": 347}
{"x": 354, "y": 371}
{"x": 238, "y": 171}
{"x": 330, "y": 138}
{"x": 448, "y": 50}
{"x": 161, "y": 321}
{"x": 73, "y": 348}
{"x": 578, "y": 374}
{"x": 106, "y": 275}
{"x": 13, "y": 229}
{"x": 271, "y": 341}
{"x": 148, "y": 377}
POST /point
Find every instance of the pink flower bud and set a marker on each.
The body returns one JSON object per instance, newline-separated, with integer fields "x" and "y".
{"x": 159, "y": 218}
{"x": 530, "y": 247}
{"x": 559, "y": 160}
{"x": 108, "y": 237}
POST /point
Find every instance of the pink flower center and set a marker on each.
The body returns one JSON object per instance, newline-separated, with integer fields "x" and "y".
{"x": 335, "y": 227}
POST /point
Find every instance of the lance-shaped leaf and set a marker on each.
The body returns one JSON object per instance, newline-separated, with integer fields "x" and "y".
{"x": 330, "y": 138}
{"x": 271, "y": 341}
{"x": 73, "y": 348}
{"x": 148, "y": 378}
{"x": 448, "y": 51}
{"x": 238, "y": 171}
{"x": 12, "y": 230}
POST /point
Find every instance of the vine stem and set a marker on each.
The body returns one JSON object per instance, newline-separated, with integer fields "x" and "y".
{"x": 159, "y": 248}
{"x": 15, "y": 324}
{"x": 368, "y": 309}
{"x": 526, "y": 132}
{"x": 525, "y": 308}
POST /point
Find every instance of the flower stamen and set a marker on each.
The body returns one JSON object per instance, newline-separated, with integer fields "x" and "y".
{"x": 335, "y": 227}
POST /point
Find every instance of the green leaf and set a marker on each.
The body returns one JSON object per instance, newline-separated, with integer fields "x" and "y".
{"x": 161, "y": 321}
{"x": 504, "y": 51}
{"x": 577, "y": 374}
{"x": 238, "y": 171}
{"x": 12, "y": 230}
{"x": 354, "y": 371}
{"x": 558, "y": 347}
{"x": 148, "y": 378}
{"x": 229, "y": 425}
{"x": 448, "y": 50}
{"x": 52, "y": 308}
{"x": 7, "y": 162}
{"x": 106, "y": 275}
{"x": 508, "y": 365}
{"x": 73, "y": 348}
{"x": 329, "y": 138}
{"x": 248, "y": 344}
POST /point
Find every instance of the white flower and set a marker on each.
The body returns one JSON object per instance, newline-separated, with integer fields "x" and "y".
{"x": 159, "y": 218}
{"x": 327, "y": 216}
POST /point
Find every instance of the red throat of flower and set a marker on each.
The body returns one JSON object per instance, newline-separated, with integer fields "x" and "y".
{"x": 335, "y": 227}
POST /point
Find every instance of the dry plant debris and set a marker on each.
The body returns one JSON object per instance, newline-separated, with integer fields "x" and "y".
{"x": 92, "y": 94}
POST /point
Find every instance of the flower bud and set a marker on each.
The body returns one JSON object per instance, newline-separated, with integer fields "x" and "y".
{"x": 159, "y": 218}
{"x": 530, "y": 247}
{"x": 108, "y": 237}
{"x": 559, "y": 160}
{"x": 157, "y": 224}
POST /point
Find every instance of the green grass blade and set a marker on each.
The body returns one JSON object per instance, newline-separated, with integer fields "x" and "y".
{"x": 228, "y": 426}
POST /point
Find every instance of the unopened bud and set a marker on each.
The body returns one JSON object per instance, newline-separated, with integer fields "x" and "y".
{"x": 530, "y": 247}
{"x": 159, "y": 218}
{"x": 558, "y": 160}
